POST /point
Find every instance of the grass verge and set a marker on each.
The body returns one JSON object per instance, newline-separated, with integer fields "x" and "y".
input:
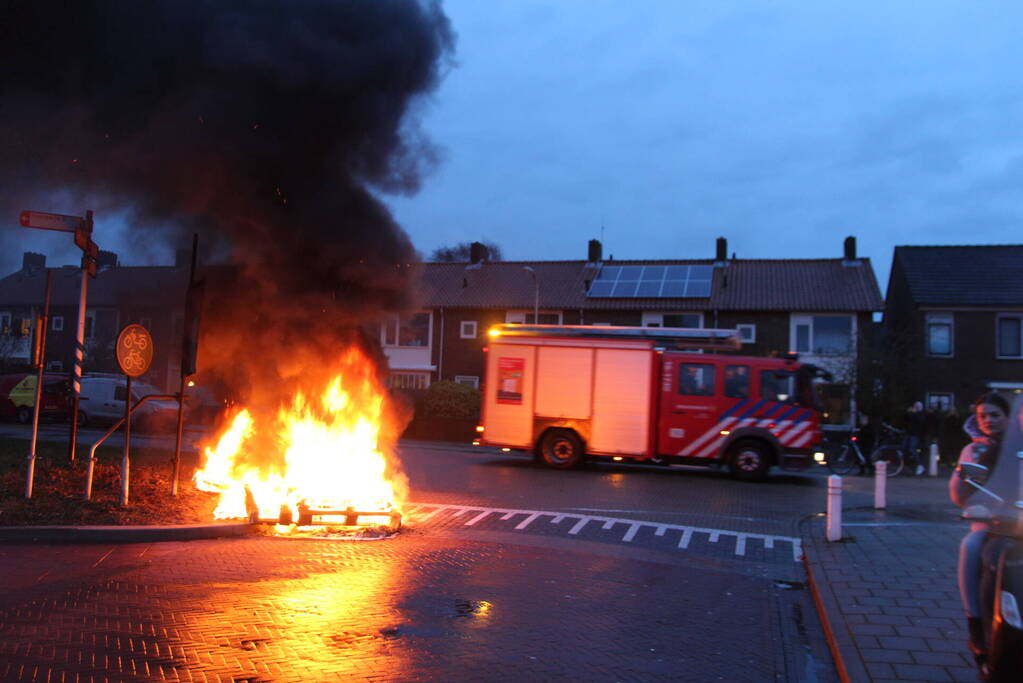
{"x": 59, "y": 488}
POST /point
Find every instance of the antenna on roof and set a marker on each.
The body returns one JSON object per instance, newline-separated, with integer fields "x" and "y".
{"x": 601, "y": 229}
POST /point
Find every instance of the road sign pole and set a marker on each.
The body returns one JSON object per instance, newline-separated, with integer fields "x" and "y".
{"x": 125, "y": 459}
{"x": 76, "y": 368}
{"x": 41, "y": 330}
{"x": 181, "y": 392}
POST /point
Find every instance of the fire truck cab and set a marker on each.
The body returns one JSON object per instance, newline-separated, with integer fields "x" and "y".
{"x": 568, "y": 393}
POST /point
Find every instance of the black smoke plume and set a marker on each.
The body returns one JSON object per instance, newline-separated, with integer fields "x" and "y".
{"x": 264, "y": 125}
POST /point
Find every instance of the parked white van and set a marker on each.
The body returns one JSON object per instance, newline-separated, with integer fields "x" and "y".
{"x": 102, "y": 402}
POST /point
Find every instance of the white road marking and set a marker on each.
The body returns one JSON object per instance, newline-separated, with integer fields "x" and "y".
{"x": 527, "y": 521}
{"x": 478, "y": 517}
{"x": 742, "y": 538}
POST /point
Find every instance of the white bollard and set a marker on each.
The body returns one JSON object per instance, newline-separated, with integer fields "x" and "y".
{"x": 834, "y": 529}
{"x": 880, "y": 482}
{"x": 932, "y": 468}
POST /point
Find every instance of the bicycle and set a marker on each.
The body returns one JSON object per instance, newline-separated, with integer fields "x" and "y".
{"x": 891, "y": 450}
{"x": 847, "y": 456}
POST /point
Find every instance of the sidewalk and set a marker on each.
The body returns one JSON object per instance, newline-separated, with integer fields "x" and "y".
{"x": 887, "y": 591}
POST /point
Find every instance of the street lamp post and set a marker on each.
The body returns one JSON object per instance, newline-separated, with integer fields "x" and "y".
{"x": 536, "y": 294}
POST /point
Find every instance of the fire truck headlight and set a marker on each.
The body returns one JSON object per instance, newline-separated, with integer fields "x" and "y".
{"x": 818, "y": 457}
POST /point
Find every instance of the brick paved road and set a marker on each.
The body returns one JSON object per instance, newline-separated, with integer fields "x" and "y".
{"x": 498, "y": 599}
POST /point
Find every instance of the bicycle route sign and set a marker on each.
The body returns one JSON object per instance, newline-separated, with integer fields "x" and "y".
{"x": 134, "y": 350}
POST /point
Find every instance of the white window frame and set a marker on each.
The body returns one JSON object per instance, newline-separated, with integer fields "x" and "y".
{"x": 939, "y": 319}
{"x": 468, "y": 380}
{"x": 519, "y": 316}
{"x": 998, "y": 337}
{"x": 751, "y": 337}
{"x": 57, "y": 323}
{"x": 468, "y": 329}
{"x": 55, "y": 366}
{"x": 395, "y": 320}
{"x": 929, "y": 404}
{"x": 796, "y": 320}
{"x": 656, "y": 318}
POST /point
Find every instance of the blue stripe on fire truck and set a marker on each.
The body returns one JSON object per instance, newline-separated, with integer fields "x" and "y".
{"x": 752, "y": 410}
{"x": 735, "y": 408}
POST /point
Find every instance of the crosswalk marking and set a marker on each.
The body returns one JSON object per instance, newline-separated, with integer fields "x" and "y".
{"x": 421, "y": 512}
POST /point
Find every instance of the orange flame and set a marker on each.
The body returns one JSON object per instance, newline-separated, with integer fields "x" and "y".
{"x": 330, "y": 453}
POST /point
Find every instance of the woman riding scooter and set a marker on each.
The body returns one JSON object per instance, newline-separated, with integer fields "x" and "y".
{"x": 986, "y": 426}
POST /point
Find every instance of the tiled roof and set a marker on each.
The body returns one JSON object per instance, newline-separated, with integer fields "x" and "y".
{"x": 148, "y": 285}
{"x": 964, "y": 275}
{"x": 781, "y": 285}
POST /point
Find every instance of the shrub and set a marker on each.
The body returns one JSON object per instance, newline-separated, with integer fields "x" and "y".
{"x": 451, "y": 400}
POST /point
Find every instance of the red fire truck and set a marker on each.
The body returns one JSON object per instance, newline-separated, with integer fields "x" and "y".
{"x": 567, "y": 393}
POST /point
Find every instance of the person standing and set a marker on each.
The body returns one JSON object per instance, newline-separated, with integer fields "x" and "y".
{"x": 915, "y": 421}
{"x": 985, "y": 426}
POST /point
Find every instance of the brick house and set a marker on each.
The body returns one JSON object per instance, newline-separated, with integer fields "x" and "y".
{"x": 150, "y": 295}
{"x": 953, "y": 320}
{"x": 819, "y": 308}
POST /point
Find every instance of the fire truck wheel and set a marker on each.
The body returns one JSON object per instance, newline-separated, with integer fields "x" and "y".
{"x": 749, "y": 460}
{"x": 561, "y": 449}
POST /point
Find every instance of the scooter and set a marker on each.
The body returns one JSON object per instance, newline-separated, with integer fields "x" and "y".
{"x": 998, "y": 502}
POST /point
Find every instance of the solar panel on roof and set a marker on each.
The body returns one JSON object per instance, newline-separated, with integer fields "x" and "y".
{"x": 652, "y": 282}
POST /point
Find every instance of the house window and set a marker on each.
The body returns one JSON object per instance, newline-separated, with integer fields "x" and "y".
{"x": 90, "y": 324}
{"x": 408, "y": 380}
{"x": 5, "y": 323}
{"x": 408, "y": 329}
{"x": 467, "y": 329}
{"x": 939, "y": 334}
{"x": 55, "y": 366}
{"x": 468, "y": 380}
{"x": 747, "y": 332}
{"x": 939, "y": 400}
{"x": 57, "y": 324}
{"x": 1010, "y": 345}
{"x": 526, "y": 317}
{"x": 822, "y": 334}
{"x": 660, "y": 319}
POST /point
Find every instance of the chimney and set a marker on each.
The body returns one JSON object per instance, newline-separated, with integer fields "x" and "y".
{"x": 850, "y": 248}
{"x": 106, "y": 260}
{"x": 478, "y": 252}
{"x": 32, "y": 262}
{"x": 721, "y": 256}
{"x": 595, "y": 253}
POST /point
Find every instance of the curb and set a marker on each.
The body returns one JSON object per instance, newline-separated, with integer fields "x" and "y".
{"x": 843, "y": 650}
{"x": 123, "y": 534}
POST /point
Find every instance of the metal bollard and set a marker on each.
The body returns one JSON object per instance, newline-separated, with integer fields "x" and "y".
{"x": 932, "y": 469}
{"x": 880, "y": 482}
{"x": 834, "y": 526}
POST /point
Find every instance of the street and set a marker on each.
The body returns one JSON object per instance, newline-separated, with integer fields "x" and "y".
{"x": 505, "y": 571}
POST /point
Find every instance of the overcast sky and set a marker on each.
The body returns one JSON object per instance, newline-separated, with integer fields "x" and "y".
{"x": 782, "y": 126}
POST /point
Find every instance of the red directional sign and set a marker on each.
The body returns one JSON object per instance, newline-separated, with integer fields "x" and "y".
{"x": 50, "y": 221}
